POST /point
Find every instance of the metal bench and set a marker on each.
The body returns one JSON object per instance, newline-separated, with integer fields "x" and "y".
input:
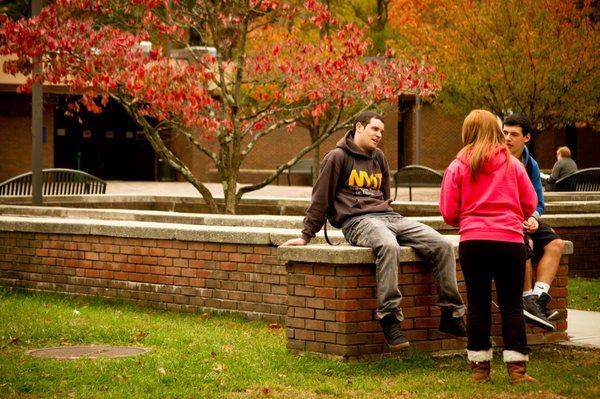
{"x": 582, "y": 180}
{"x": 55, "y": 182}
{"x": 302, "y": 167}
{"x": 416, "y": 176}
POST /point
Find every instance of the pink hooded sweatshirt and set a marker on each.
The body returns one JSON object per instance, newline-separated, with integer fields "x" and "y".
{"x": 494, "y": 205}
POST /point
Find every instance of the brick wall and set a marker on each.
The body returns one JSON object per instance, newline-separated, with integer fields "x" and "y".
{"x": 328, "y": 308}
{"x": 15, "y": 135}
{"x": 168, "y": 274}
{"x": 440, "y": 141}
{"x": 269, "y": 152}
{"x": 331, "y": 310}
{"x": 585, "y": 260}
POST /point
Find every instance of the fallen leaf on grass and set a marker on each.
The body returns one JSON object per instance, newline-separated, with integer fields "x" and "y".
{"x": 227, "y": 348}
{"x": 203, "y": 316}
{"x": 265, "y": 391}
{"x": 213, "y": 354}
{"x": 274, "y": 326}
{"x": 138, "y": 336}
{"x": 220, "y": 367}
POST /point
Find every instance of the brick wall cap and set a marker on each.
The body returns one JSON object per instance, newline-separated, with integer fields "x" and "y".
{"x": 347, "y": 254}
{"x": 135, "y": 229}
{"x": 573, "y": 207}
{"x": 281, "y": 205}
{"x": 551, "y": 196}
{"x": 573, "y": 220}
{"x": 267, "y": 221}
{"x": 156, "y": 216}
{"x": 20, "y": 224}
{"x": 343, "y": 254}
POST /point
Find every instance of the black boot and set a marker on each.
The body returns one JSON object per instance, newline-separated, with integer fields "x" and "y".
{"x": 392, "y": 332}
{"x": 454, "y": 326}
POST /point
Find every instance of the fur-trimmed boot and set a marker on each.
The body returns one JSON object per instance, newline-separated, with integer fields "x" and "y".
{"x": 516, "y": 365}
{"x": 480, "y": 365}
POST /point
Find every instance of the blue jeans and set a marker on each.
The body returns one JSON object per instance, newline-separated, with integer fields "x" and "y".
{"x": 385, "y": 234}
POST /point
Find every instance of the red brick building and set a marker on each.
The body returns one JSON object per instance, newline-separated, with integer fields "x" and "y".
{"x": 110, "y": 146}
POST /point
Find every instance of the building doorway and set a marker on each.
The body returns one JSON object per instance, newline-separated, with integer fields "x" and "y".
{"x": 109, "y": 145}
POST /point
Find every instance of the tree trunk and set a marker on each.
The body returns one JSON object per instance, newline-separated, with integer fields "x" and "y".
{"x": 315, "y": 163}
{"x": 230, "y": 193}
{"x": 160, "y": 148}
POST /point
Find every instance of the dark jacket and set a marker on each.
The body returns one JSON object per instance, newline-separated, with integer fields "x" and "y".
{"x": 366, "y": 190}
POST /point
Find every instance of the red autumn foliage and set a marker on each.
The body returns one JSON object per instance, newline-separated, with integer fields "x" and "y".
{"x": 272, "y": 69}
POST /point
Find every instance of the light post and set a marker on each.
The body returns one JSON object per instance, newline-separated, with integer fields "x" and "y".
{"x": 37, "y": 112}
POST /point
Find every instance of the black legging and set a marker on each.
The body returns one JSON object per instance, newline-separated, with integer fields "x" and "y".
{"x": 482, "y": 260}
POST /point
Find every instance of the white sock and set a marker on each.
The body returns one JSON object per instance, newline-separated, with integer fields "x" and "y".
{"x": 527, "y": 293}
{"x": 540, "y": 288}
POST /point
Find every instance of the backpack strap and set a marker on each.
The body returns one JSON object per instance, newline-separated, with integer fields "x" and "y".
{"x": 326, "y": 236}
{"x": 378, "y": 156}
{"x": 344, "y": 174}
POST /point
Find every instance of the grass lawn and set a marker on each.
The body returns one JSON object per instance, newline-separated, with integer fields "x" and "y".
{"x": 584, "y": 294}
{"x": 210, "y": 356}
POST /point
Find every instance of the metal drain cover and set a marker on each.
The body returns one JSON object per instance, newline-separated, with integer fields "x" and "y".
{"x": 87, "y": 352}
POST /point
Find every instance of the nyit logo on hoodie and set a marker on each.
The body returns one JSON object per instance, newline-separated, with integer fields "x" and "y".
{"x": 362, "y": 179}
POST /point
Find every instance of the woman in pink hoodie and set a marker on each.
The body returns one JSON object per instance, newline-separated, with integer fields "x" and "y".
{"x": 487, "y": 194}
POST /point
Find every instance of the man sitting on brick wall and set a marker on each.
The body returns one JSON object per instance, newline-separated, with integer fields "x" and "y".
{"x": 353, "y": 192}
{"x": 545, "y": 245}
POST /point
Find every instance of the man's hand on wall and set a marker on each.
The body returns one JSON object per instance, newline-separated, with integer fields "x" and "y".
{"x": 294, "y": 242}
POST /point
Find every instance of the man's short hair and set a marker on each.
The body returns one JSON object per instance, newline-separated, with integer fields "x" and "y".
{"x": 564, "y": 152}
{"x": 365, "y": 117}
{"x": 519, "y": 120}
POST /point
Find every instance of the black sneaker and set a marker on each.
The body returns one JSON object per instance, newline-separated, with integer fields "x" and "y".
{"x": 454, "y": 326}
{"x": 392, "y": 333}
{"x": 543, "y": 303}
{"x": 535, "y": 313}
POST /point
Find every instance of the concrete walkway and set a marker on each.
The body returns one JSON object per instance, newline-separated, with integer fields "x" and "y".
{"x": 185, "y": 189}
{"x": 583, "y": 327}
